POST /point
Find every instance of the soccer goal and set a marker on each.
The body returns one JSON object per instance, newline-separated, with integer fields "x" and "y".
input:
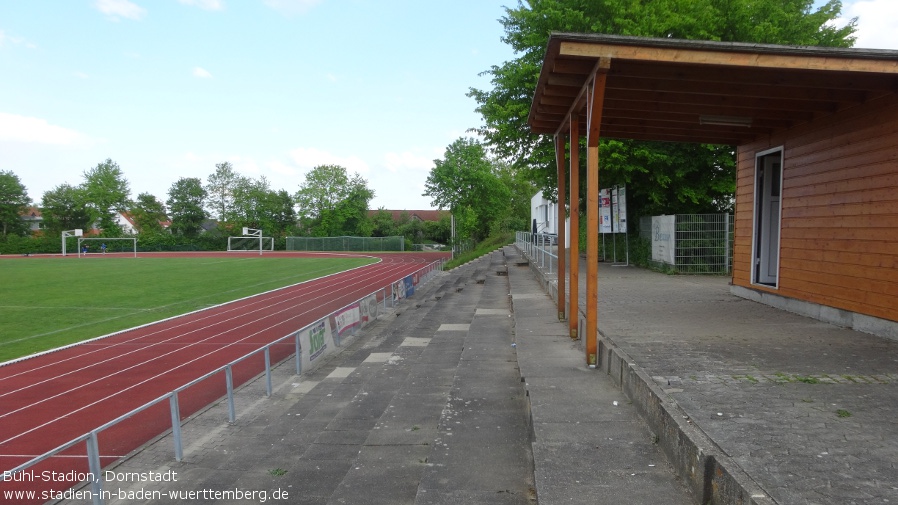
{"x": 251, "y": 244}
{"x": 104, "y": 245}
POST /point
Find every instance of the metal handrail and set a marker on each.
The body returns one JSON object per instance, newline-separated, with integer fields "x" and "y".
{"x": 538, "y": 249}
{"x": 91, "y": 437}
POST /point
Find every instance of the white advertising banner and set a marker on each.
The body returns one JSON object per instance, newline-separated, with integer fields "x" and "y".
{"x": 347, "y": 318}
{"x": 316, "y": 342}
{"x": 369, "y": 309}
{"x": 663, "y": 239}
{"x": 605, "y": 211}
{"x": 619, "y": 204}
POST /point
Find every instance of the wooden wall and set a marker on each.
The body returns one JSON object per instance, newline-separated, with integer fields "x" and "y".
{"x": 839, "y": 240}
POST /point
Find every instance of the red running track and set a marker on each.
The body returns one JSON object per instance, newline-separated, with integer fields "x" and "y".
{"x": 48, "y": 400}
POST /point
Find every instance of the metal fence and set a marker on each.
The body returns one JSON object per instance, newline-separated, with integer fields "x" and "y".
{"x": 541, "y": 248}
{"x": 91, "y": 439}
{"x": 703, "y": 242}
{"x": 396, "y": 243}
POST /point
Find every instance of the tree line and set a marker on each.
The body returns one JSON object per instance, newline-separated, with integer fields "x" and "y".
{"x": 329, "y": 202}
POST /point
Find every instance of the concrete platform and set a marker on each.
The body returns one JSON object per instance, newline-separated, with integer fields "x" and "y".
{"x": 751, "y": 404}
{"x": 465, "y": 394}
{"x": 473, "y": 392}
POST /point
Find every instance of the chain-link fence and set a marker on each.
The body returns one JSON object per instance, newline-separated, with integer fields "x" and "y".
{"x": 396, "y": 243}
{"x": 703, "y": 242}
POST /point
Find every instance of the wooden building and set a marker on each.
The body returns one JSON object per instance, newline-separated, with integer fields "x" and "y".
{"x": 816, "y": 134}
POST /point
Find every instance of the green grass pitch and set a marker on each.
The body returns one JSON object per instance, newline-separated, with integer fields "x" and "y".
{"x": 50, "y": 302}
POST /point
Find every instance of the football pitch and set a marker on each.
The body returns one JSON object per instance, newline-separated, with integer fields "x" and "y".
{"x": 50, "y": 302}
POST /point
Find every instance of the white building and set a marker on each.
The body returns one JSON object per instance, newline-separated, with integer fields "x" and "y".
{"x": 544, "y": 217}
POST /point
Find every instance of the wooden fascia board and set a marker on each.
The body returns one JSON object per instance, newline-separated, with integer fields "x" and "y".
{"x": 726, "y": 58}
{"x": 541, "y": 83}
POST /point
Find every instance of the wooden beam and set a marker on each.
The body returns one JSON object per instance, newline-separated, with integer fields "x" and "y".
{"x": 574, "y": 300}
{"x": 602, "y": 65}
{"x": 595, "y": 100}
{"x": 752, "y": 59}
{"x": 562, "y": 270}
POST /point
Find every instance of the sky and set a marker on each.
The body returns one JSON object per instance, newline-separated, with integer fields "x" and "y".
{"x": 169, "y": 88}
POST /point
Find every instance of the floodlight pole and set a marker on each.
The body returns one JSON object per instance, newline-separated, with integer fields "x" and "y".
{"x": 253, "y": 232}
{"x": 77, "y": 232}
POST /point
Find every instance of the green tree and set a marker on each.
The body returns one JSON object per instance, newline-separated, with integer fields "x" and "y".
{"x": 382, "y": 224}
{"x": 466, "y": 183}
{"x": 521, "y": 190}
{"x": 148, "y": 213}
{"x": 63, "y": 209}
{"x": 439, "y": 231}
{"x": 411, "y": 229}
{"x": 662, "y": 176}
{"x": 14, "y": 202}
{"x": 256, "y": 205}
{"x": 332, "y": 204}
{"x": 220, "y": 189}
{"x": 186, "y": 202}
{"x": 105, "y": 191}
{"x": 281, "y": 212}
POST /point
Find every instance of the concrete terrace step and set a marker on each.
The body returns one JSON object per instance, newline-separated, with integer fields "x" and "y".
{"x": 392, "y": 418}
{"x": 589, "y": 443}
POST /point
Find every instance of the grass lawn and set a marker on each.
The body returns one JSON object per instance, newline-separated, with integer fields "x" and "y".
{"x": 50, "y": 302}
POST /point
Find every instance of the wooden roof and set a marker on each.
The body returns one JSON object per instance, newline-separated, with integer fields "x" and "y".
{"x": 681, "y": 90}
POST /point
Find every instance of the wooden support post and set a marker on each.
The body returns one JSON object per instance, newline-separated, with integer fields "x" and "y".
{"x": 595, "y": 103}
{"x": 562, "y": 212}
{"x": 573, "y": 301}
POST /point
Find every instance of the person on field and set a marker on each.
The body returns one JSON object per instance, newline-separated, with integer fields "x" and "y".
{"x": 103, "y": 247}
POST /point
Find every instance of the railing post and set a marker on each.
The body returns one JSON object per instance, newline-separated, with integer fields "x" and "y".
{"x": 298, "y": 356}
{"x": 176, "y": 425}
{"x": 726, "y": 242}
{"x": 267, "y": 372}
{"x": 93, "y": 463}
{"x": 229, "y": 381}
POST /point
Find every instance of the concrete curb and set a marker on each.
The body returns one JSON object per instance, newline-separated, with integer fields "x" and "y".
{"x": 705, "y": 468}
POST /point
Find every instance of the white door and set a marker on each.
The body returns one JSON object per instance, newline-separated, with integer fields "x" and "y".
{"x": 768, "y": 187}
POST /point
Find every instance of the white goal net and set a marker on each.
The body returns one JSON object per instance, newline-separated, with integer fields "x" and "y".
{"x": 250, "y": 243}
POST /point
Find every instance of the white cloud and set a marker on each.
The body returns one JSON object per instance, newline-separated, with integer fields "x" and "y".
{"x": 116, "y": 9}
{"x": 13, "y": 40}
{"x": 14, "y": 128}
{"x": 202, "y": 73}
{"x": 291, "y": 6}
{"x": 877, "y": 22}
{"x": 282, "y": 168}
{"x": 307, "y": 158}
{"x": 81, "y": 75}
{"x": 209, "y": 5}
{"x": 407, "y": 161}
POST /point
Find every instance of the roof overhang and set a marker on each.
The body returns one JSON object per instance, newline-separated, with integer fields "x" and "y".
{"x": 698, "y": 91}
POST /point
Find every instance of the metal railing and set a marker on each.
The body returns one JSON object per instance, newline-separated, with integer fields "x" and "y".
{"x": 91, "y": 438}
{"x": 703, "y": 242}
{"x": 541, "y": 248}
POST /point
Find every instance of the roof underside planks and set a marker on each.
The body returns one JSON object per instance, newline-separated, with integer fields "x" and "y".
{"x": 687, "y": 91}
